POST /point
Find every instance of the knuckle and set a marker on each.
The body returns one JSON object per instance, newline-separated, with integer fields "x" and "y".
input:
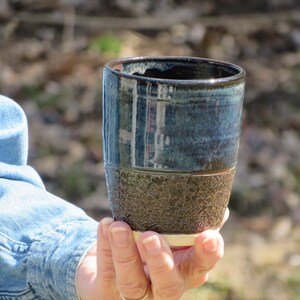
{"x": 196, "y": 282}
{"x": 126, "y": 260}
{"x": 197, "y": 272}
{"x": 132, "y": 289}
{"x": 219, "y": 255}
{"x": 161, "y": 266}
{"x": 159, "y": 270}
{"x": 172, "y": 291}
{"x": 107, "y": 273}
{"x": 203, "y": 280}
{"x": 106, "y": 253}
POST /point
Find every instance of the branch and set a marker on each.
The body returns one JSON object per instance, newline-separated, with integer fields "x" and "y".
{"x": 248, "y": 21}
{"x": 113, "y": 23}
{"x": 253, "y": 20}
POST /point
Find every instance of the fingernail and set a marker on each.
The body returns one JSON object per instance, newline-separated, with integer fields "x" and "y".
{"x": 210, "y": 245}
{"x": 105, "y": 223}
{"x": 120, "y": 236}
{"x": 152, "y": 244}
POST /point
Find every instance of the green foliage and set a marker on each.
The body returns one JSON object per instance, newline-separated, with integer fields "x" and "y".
{"x": 107, "y": 43}
{"x": 49, "y": 101}
{"x": 30, "y": 91}
{"x": 216, "y": 290}
{"x": 74, "y": 182}
{"x": 293, "y": 283}
{"x": 41, "y": 97}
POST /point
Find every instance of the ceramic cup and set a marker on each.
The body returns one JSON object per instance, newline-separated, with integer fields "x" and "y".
{"x": 171, "y": 128}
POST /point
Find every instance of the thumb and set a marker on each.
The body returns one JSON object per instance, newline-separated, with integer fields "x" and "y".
{"x": 96, "y": 275}
{"x": 106, "y": 276}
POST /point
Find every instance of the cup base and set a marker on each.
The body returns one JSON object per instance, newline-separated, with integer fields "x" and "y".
{"x": 174, "y": 240}
{"x": 172, "y": 203}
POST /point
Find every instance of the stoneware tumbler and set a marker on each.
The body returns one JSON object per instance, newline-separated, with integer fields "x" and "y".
{"x": 171, "y": 128}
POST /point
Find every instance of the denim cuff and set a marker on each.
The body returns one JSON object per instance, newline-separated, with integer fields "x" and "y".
{"x": 56, "y": 259}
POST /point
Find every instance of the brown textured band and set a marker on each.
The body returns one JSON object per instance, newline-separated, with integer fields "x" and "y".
{"x": 169, "y": 202}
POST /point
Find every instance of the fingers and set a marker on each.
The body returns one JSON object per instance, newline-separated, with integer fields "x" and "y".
{"x": 196, "y": 262}
{"x": 130, "y": 277}
{"x": 106, "y": 276}
{"x": 167, "y": 282}
{"x": 120, "y": 267}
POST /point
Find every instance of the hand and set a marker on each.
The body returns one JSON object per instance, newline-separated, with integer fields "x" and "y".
{"x": 116, "y": 266}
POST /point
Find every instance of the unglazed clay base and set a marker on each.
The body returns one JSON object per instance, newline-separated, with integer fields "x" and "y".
{"x": 174, "y": 240}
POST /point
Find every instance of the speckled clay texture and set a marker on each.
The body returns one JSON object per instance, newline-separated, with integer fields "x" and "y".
{"x": 169, "y": 202}
{"x": 169, "y": 121}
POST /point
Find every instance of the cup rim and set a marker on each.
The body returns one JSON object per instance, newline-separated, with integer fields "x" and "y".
{"x": 229, "y": 80}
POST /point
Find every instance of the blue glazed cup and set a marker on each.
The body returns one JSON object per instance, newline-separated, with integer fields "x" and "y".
{"x": 171, "y": 128}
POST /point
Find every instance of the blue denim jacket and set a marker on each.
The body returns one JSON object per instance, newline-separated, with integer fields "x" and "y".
{"x": 43, "y": 239}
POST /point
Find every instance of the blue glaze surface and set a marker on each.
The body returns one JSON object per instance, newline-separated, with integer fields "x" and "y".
{"x": 166, "y": 123}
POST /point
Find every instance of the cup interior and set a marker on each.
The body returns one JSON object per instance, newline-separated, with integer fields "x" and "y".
{"x": 176, "y": 68}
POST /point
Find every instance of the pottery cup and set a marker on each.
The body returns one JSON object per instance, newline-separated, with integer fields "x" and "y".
{"x": 171, "y": 128}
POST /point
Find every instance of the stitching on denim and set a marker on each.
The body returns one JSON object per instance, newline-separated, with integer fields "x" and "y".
{"x": 13, "y": 245}
{"x": 18, "y": 295}
{"x": 60, "y": 232}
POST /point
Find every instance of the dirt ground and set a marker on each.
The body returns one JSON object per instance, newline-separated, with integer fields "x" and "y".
{"x": 51, "y": 60}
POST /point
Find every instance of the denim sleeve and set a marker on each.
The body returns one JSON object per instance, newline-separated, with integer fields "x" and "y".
{"x": 43, "y": 238}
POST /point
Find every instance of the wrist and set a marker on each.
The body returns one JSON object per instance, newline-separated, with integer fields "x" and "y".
{"x": 86, "y": 273}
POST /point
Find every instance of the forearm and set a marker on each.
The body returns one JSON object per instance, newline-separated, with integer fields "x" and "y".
{"x": 42, "y": 238}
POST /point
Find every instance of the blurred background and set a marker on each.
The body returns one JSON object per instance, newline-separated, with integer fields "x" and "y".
{"x": 51, "y": 58}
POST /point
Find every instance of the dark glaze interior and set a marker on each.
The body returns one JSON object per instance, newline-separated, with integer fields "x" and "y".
{"x": 187, "y": 73}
